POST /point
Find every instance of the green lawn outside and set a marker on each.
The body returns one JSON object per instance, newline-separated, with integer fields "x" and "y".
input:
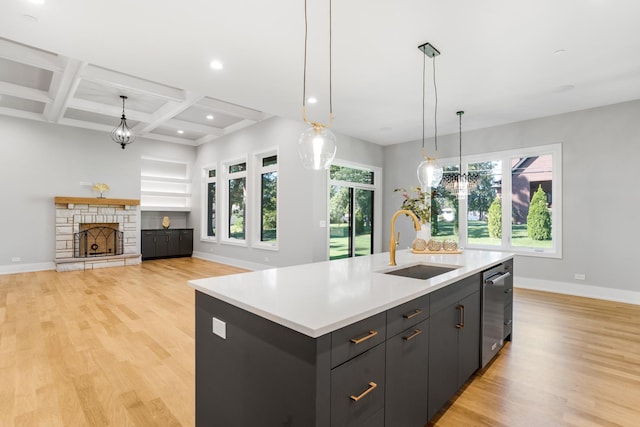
{"x": 479, "y": 235}
{"x": 339, "y": 246}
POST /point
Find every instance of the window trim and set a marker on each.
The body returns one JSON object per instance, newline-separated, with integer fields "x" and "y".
{"x": 223, "y": 201}
{"x": 555, "y": 150}
{"x": 204, "y": 237}
{"x": 256, "y": 198}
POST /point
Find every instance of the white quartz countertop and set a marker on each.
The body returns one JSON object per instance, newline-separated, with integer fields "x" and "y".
{"x": 315, "y": 299}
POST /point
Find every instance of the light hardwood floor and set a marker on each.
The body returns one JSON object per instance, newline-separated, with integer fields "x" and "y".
{"x": 116, "y": 347}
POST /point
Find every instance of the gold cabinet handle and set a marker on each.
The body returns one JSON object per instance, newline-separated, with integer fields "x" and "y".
{"x": 415, "y": 333}
{"x": 370, "y": 335}
{"x": 414, "y": 314}
{"x": 372, "y": 386}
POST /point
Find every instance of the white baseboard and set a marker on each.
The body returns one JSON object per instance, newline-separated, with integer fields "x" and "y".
{"x": 27, "y": 268}
{"x": 588, "y": 291}
{"x": 230, "y": 261}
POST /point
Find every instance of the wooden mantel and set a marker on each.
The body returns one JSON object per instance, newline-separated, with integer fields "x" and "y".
{"x": 95, "y": 201}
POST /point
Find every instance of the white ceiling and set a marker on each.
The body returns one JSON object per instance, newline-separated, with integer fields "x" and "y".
{"x": 67, "y": 61}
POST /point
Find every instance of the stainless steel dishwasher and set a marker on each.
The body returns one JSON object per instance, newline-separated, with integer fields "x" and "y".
{"x": 493, "y": 289}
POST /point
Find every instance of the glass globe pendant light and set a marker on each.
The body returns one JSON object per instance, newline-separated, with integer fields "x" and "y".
{"x": 317, "y": 145}
{"x": 429, "y": 173}
{"x": 122, "y": 134}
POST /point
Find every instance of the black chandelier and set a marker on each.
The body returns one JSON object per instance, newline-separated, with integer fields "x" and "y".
{"x": 461, "y": 183}
{"x": 122, "y": 134}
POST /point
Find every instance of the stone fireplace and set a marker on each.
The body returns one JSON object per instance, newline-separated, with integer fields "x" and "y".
{"x": 96, "y": 233}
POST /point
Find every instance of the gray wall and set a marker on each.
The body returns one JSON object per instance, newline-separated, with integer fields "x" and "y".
{"x": 302, "y": 193}
{"x": 39, "y": 161}
{"x": 601, "y": 148}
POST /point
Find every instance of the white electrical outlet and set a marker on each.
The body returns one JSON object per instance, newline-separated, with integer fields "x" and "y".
{"x": 219, "y": 328}
{"x": 579, "y": 276}
{"x": 15, "y": 259}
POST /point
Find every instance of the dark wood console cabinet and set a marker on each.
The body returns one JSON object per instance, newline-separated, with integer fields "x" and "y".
{"x": 169, "y": 243}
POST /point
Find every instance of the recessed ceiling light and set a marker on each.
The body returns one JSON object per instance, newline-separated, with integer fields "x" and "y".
{"x": 36, "y": 2}
{"x": 216, "y": 65}
{"x": 209, "y": 116}
{"x": 180, "y": 131}
{"x": 311, "y": 100}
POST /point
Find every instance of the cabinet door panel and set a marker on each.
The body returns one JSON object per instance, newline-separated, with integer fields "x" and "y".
{"x": 148, "y": 244}
{"x": 407, "y": 370}
{"x": 186, "y": 242}
{"x": 443, "y": 359}
{"x": 469, "y": 339}
{"x": 173, "y": 242}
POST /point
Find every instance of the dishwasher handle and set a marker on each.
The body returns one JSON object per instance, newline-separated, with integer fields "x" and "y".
{"x": 493, "y": 280}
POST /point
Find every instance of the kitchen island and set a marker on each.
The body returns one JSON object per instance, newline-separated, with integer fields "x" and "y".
{"x": 337, "y": 343}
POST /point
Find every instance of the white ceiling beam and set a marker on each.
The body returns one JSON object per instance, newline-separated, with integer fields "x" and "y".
{"x": 232, "y": 109}
{"x": 133, "y": 84}
{"x": 166, "y": 112}
{"x": 87, "y": 125}
{"x": 63, "y": 87}
{"x": 108, "y": 110}
{"x": 21, "y": 114}
{"x": 194, "y": 127}
{"x": 172, "y": 139}
{"x": 24, "y": 92}
{"x": 205, "y": 139}
{"x": 30, "y": 56}
{"x": 237, "y": 126}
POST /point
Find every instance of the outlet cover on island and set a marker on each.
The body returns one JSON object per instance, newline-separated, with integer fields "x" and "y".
{"x": 579, "y": 276}
{"x": 219, "y": 328}
{"x": 15, "y": 259}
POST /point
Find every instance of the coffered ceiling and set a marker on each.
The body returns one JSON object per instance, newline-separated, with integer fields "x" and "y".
{"x": 502, "y": 61}
{"x": 45, "y": 86}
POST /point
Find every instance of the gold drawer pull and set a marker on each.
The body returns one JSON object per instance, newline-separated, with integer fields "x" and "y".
{"x": 415, "y": 333}
{"x": 372, "y": 386}
{"x": 371, "y": 334}
{"x": 414, "y": 314}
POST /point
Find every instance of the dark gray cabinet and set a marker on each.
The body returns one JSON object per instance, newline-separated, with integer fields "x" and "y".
{"x": 407, "y": 372}
{"x": 396, "y": 368}
{"x": 454, "y": 339}
{"x": 167, "y": 243}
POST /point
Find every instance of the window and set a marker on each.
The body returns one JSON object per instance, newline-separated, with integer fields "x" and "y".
{"x": 209, "y": 218}
{"x": 266, "y": 224}
{"x": 351, "y": 211}
{"x": 515, "y": 208}
{"x": 236, "y": 194}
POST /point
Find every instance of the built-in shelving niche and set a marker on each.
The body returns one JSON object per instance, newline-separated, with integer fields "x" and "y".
{"x": 165, "y": 185}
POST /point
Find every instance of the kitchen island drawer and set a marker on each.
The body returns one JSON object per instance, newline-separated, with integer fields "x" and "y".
{"x": 357, "y": 338}
{"x": 358, "y": 389}
{"x": 406, "y": 315}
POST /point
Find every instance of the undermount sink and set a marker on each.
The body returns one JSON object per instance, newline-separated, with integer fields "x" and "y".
{"x": 420, "y": 271}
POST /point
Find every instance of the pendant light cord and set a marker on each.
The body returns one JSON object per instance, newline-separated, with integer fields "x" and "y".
{"x": 304, "y": 73}
{"x": 460, "y": 113}
{"x": 424, "y": 66}
{"x": 435, "y": 111}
